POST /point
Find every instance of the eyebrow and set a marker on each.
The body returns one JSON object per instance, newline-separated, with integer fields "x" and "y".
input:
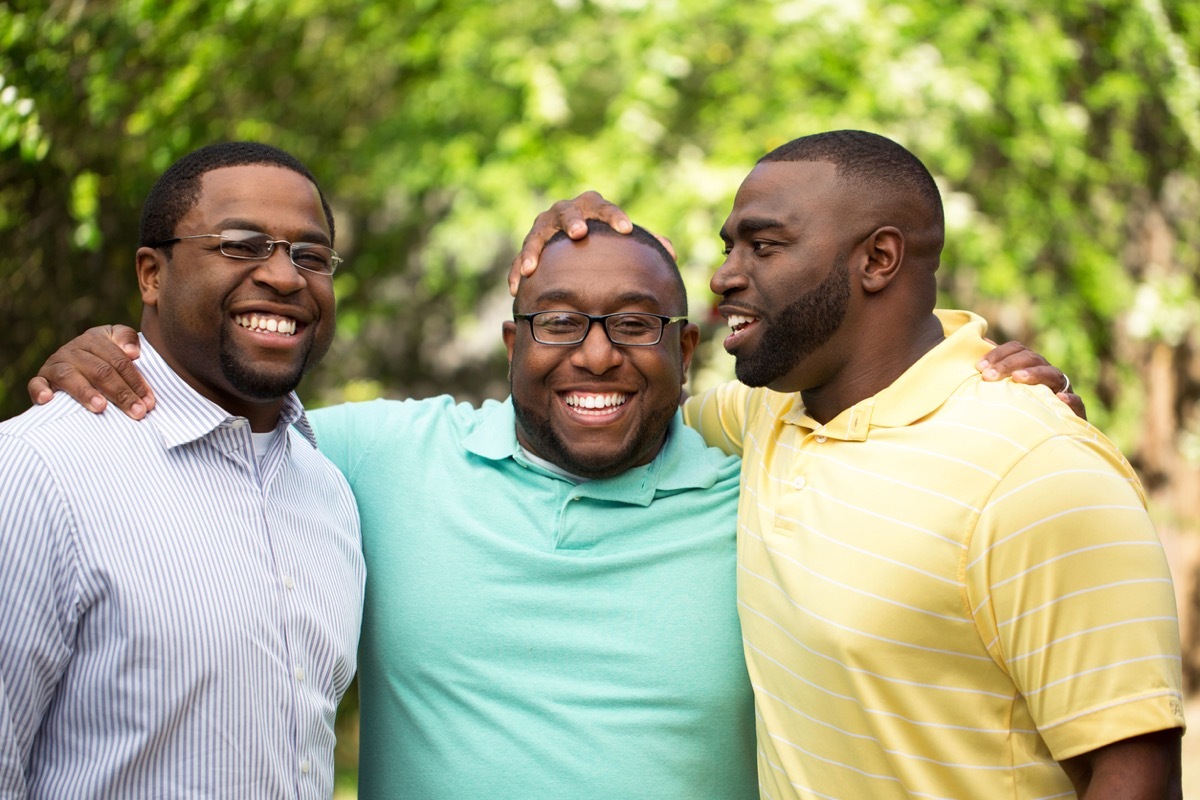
{"x": 312, "y": 236}
{"x": 751, "y": 225}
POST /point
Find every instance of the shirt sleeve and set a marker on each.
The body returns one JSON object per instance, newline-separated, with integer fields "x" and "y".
{"x": 720, "y": 415}
{"x": 1071, "y": 591}
{"x": 39, "y": 602}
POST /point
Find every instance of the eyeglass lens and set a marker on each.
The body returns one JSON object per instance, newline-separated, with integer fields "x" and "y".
{"x": 569, "y": 327}
{"x": 255, "y": 245}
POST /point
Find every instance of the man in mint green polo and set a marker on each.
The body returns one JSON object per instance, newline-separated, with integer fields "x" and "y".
{"x": 549, "y": 609}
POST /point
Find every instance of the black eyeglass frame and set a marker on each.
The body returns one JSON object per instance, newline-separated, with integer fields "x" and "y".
{"x": 663, "y": 319}
{"x": 334, "y": 259}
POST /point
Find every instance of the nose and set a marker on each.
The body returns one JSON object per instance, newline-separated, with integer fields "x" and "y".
{"x": 728, "y": 277}
{"x": 278, "y": 271}
{"x": 596, "y": 353}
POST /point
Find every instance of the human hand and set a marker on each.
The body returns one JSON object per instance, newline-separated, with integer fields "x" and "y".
{"x": 1015, "y": 360}
{"x": 570, "y": 216}
{"x": 95, "y": 367}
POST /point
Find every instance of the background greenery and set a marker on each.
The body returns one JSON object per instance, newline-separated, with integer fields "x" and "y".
{"x": 1065, "y": 136}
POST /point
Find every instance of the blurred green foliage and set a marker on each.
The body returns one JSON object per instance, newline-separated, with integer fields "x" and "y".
{"x": 1065, "y": 136}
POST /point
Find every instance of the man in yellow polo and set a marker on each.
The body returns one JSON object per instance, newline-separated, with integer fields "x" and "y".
{"x": 947, "y": 587}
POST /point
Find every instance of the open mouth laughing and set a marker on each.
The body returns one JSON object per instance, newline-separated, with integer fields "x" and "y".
{"x": 740, "y": 325}
{"x": 595, "y": 404}
{"x": 267, "y": 323}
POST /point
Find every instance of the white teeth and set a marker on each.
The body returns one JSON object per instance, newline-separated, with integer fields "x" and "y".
{"x": 596, "y": 401}
{"x": 737, "y": 322}
{"x": 254, "y": 322}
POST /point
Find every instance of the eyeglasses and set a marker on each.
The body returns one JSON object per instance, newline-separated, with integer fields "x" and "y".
{"x": 572, "y": 327}
{"x": 256, "y": 246}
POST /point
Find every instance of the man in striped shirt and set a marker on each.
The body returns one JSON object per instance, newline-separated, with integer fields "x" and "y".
{"x": 188, "y": 629}
{"x": 947, "y": 587}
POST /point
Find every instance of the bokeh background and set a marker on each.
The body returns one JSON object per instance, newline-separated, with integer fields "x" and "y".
{"x": 1065, "y": 137}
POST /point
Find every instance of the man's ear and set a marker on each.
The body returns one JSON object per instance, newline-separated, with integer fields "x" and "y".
{"x": 150, "y": 264}
{"x": 884, "y": 251}
{"x": 689, "y": 336}
{"x": 508, "y": 331}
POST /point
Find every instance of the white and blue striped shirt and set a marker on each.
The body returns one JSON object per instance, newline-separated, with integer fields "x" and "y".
{"x": 176, "y": 620}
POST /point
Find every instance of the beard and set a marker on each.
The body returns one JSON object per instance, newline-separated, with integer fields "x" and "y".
{"x": 255, "y": 382}
{"x": 794, "y": 333}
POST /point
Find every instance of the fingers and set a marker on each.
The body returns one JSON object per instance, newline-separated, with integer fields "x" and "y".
{"x": 1074, "y": 402}
{"x": 565, "y": 215}
{"x": 1008, "y": 359}
{"x": 40, "y": 392}
{"x": 95, "y": 370}
{"x": 667, "y": 244}
{"x": 1015, "y": 360}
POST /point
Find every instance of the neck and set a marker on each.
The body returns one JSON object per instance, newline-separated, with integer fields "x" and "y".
{"x": 876, "y": 365}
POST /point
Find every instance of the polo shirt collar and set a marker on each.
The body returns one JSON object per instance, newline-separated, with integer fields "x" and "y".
{"x": 182, "y": 415}
{"x": 919, "y": 391}
{"x": 682, "y": 464}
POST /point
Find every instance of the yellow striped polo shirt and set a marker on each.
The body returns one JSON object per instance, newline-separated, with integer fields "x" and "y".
{"x": 946, "y": 589}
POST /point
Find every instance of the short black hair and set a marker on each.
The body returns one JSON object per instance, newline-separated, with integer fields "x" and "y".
{"x": 178, "y": 189}
{"x": 871, "y": 161}
{"x": 641, "y": 236}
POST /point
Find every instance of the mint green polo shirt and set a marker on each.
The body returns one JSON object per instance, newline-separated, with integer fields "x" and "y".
{"x": 525, "y": 636}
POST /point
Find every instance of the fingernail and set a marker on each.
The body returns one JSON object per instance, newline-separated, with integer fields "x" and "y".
{"x": 981, "y": 364}
{"x": 578, "y": 227}
{"x": 527, "y": 264}
{"x": 991, "y": 374}
{"x": 97, "y": 403}
{"x": 624, "y": 226}
{"x": 138, "y": 410}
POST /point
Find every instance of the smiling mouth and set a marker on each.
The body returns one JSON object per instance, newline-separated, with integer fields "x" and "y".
{"x": 594, "y": 404}
{"x": 738, "y": 322}
{"x": 267, "y": 323}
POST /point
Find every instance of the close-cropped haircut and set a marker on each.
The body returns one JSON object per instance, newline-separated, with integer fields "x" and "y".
{"x": 871, "y": 161}
{"x": 178, "y": 189}
{"x": 641, "y": 236}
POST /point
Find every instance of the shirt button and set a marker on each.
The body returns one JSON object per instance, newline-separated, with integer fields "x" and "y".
{"x": 288, "y": 583}
{"x": 238, "y": 424}
{"x": 305, "y": 766}
{"x": 820, "y": 437}
{"x": 799, "y": 483}
{"x": 299, "y": 673}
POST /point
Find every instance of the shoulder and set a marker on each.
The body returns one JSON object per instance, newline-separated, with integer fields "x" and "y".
{"x": 64, "y": 430}
{"x": 690, "y": 463}
{"x": 1029, "y": 422}
{"x": 375, "y": 418}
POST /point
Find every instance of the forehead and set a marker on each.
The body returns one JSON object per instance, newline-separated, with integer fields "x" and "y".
{"x": 265, "y": 197}
{"x": 601, "y": 274}
{"x": 785, "y": 193}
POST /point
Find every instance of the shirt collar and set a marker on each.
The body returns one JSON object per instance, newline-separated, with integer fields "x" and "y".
{"x": 183, "y": 415}
{"x": 920, "y": 390}
{"x": 681, "y": 464}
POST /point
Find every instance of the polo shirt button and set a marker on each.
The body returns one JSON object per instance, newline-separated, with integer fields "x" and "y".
{"x": 820, "y": 437}
{"x": 799, "y": 483}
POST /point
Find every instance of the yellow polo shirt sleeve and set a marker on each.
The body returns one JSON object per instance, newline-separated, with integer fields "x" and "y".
{"x": 720, "y": 415}
{"x": 1072, "y": 595}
